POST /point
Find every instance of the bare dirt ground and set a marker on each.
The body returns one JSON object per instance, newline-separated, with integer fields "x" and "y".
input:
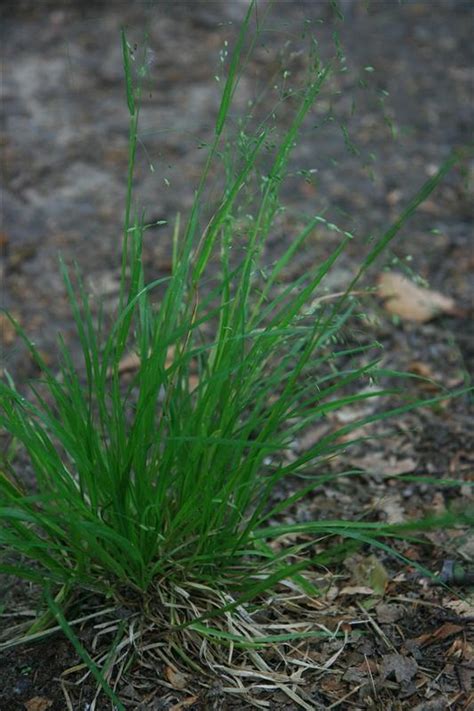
{"x": 402, "y": 642}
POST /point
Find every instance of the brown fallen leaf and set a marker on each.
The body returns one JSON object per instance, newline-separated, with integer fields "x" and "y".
{"x": 380, "y": 463}
{"x": 189, "y": 701}
{"x": 462, "y": 608}
{"x": 461, "y": 649}
{"x": 8, "y": 331}
{"x": 442, "y": 633}
{"x": 20, "y": 254}
{"x": 424, "y": 370}
{"x": 176, "y": 678}
{"x": 38, "y": 703}
{"x": 368, "y": 572}
{"x": 388, "y": 613}
{"x": 436, "y": 704}
{"x": 4, "y": 241}
{"x": 312, "y": 436}
{"x": 193, "y": 382}
{"x": 356, "y": 590}
{"x": 411, "y": 302}
{"x": 131, "y": 361}
{"x": 392, "y": 507}
{"x": 402, "y": 668}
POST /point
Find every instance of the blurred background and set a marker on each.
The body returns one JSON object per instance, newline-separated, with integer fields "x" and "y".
{"x": 400, "y": 101}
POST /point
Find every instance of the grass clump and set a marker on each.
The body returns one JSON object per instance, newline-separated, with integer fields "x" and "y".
{"x": 161, "y": 493}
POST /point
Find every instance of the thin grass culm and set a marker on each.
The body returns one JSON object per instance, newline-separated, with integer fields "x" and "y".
{"x": 158, "y": 495}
